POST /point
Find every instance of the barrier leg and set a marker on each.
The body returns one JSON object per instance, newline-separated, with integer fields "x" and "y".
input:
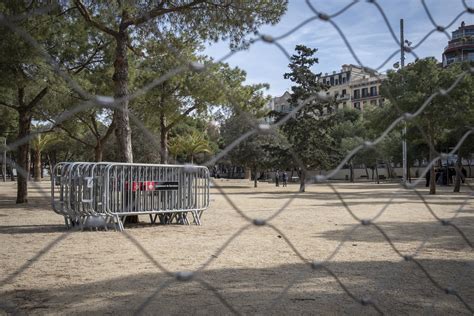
{"x": 196, "y": 216}
{"x": 66, "y": 222}
{"x": 118, "y": 223}
{"x": 153, "y": 218}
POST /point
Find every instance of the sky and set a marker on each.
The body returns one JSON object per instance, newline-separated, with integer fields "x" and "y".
{"x": 362, "y": 24}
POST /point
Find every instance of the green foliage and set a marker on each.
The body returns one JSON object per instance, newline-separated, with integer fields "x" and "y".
{"x": 408, "y": 89}
{"x": 190, "y": 145}
{"x": 307, "y": 131}
{"x": 206, "y": 20}
{"x": 259, "y": 151}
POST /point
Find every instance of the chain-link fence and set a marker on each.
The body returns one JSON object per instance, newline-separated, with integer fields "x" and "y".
{"x": 309, "y": 266}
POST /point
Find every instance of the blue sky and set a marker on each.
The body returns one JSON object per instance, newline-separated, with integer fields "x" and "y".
{"x": 364, "y": 28}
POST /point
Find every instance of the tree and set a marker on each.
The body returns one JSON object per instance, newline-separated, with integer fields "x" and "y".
{"x": 24, "y": 83}
{"x": 130, "y": 22}
{"x": 408, "y": 89}
{"x": 188, "y": 93}
{"x": 307, "y": 131}
{"x": 254, "y": 152}
{"x": 28, "y": 78}
{"x": 347, "y": 132}
{"x": 190, "y": 145}
{"x": 39, "y": 143}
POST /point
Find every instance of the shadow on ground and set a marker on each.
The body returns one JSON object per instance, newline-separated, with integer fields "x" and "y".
{"x": 435, "y": 234}
{"x": 396, "y": 287}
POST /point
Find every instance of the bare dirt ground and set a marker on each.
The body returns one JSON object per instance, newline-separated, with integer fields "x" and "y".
{"x": 46, "y": 269}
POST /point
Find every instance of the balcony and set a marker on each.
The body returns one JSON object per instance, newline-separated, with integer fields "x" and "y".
{"x": 460, "y": 44}
{"x": 343, "y": 97}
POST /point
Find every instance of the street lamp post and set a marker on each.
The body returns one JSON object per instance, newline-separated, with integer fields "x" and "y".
{"x": 4, "y": 158}
{"x": 404, "y": 133}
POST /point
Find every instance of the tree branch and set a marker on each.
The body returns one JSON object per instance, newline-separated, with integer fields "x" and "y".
{"x": 9, "y": 105}
{"x": 159, "y": 10}
{"x": 37, "y": 99}
{"x": 71, "y": 135}
{"x": 78, "y": 68}
{"x": 88, "y": 126}
{"x": 109, "y": 132}
{"x": 94, "y": 125}
{"x": 139, "y": 54}
{"x": 21, "y": 97}
{"x": 85, "y": 13}
{"x": 181, "y": 116}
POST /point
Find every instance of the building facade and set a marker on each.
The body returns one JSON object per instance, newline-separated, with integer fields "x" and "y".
{"x": 461, "y": 46}
{"x": 352, "y": 87}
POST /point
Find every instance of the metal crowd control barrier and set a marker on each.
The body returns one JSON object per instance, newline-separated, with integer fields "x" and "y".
{"x": 104, "y": 194}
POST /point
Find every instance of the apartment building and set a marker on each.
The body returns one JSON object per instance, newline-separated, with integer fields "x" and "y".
{"x": 339, "y": 84}
{"x": 352, "y": 87}
{"x": 366, "y": 92}
{"x": 461, "y": 46}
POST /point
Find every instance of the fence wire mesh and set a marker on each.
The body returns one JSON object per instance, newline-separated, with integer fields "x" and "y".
{"x": 311, "y": 264}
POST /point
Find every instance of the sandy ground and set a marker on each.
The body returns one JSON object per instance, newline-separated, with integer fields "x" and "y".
{"x": 46, "y": 269}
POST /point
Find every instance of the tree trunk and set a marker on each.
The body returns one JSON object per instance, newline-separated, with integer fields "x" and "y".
{"x": 50, "y": 164}
{"x": 121, "y": 117}
{"x": 432, "y": 174}
{"x": 351, "y": 171}
{"x": 377, "y": 174}
{"x": 123, "y": 132}
{"x": 23, "y": 163}
{"x": 163, "y": 140}
{"x": 10, "y": 168}
{"x": 98, "y": 151}
{"x": 37, "y": 166}
{"x": 302, "y": 175}
{"x": 247, "y": 173}
{"x": 457, "y": 182}
{"x": 255, "y": 177}
{"x": 469, "y": 166}
{"x": 408, "y": 172}
{"x": 366, "y": 171}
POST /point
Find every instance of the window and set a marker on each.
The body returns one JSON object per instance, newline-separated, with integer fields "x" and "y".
{"x": 365, "y": 92}
{"x": 373, "y": 102}
{"x": 344, "y": 104}
{"x": 336, "y": 82}
{"x": 373, "y": 91}
{"x": 357, "y": 94}
{"x": 344, "y": 92}
{"x": 357, "y": 105}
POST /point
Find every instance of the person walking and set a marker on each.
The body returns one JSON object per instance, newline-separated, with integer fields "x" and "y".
{"x": 277, "y": 178}
{"x": 285, "y": 179}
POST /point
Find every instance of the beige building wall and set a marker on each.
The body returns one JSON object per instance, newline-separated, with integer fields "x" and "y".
{"x": 352, "y": 86}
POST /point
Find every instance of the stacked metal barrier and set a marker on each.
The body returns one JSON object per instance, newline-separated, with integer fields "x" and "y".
{"x": 104, "y": 194}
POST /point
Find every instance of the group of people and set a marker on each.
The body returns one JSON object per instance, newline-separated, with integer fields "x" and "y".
{"x": 284, "y": 178}
{"x": 445, "y": 177}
